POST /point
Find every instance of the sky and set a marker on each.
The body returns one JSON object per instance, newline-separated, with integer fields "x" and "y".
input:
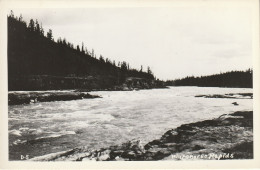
{"x": 174, "y": 41}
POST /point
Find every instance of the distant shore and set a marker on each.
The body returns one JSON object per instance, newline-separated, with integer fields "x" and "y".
{"x": 229, "y": 136}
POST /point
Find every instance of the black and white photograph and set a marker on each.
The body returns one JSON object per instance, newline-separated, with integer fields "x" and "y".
{"x": 165, "y": 82}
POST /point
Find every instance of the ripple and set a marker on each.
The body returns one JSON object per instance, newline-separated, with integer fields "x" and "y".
{"x": 117, "y": 117}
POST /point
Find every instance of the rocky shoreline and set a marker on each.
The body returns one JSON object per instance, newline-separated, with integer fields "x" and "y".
{"x": 16, "y": 98}
{"x": 229, "y": 96}
{"x": 27, "y": 97}
{"x": 229, "y": 136}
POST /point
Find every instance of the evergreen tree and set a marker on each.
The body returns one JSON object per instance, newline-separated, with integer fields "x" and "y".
{"x": 21, "y": 18}
{"x": 149, "y": 71}
{"x": 31, "y": 25}
{"x": 86, "y": 50}
{"x": 59, "y": 40}
{"x": 12, "y": 14}
{"x": 124, "y": 66}
{"x": 92, "y": 53}
{"x": 101, "y": 59}
{"x": 82, "y": 48}
{"x": 49, "y": 34}
{"x": 41, "y": 30}
{"x": 37, "y": 27}
{"x": 64, "y": 41}
{"x": 78, "y": 49}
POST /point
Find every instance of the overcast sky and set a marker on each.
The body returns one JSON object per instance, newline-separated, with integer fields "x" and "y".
{"x": 174, "y": 41}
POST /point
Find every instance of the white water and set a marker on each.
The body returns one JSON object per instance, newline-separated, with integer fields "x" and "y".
{"x": 47, "y": 127}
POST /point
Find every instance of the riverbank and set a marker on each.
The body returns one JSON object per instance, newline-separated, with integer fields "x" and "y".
{"x": 229, "y": 136}
{"x": 16, "y": 98}
{"x": 29, "y": 97}
{"x": 78, "y": 88}
{"x": 86, "y": 83}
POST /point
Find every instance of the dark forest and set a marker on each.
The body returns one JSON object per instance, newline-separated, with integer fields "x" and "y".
{"x": 37, "y": 61}
{"x": 228, "y": 79}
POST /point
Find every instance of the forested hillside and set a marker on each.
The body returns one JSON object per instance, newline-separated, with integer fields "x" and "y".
{"x": 36, "y": 61}
{"x": 228, "y": 79}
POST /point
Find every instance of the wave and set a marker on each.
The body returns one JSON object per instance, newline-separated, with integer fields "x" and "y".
{"x": 15, "y": 132}
{"x": 55, "y": 135}
{"x": 18, "y": 141}
{"x": 24, "y": 131}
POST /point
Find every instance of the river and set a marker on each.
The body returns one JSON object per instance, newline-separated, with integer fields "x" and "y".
{"x": 119, "y": 116}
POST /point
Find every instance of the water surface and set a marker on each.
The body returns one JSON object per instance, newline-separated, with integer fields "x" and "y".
{"x": 47, "y": 127}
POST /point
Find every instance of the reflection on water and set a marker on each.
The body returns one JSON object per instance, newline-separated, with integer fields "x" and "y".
{"x": 42, "y": 128}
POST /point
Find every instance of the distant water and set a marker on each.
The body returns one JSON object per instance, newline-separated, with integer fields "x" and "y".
{"x": 48, "y": 127}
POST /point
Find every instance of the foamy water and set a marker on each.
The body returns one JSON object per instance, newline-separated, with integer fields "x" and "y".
{"x": 47, "y": 127}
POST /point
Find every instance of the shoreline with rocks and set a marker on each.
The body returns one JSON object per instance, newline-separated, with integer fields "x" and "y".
{"x": 229, "y": 96}
{"x": 229, "y": 136}
{"x": 29, "y": 97}
{"x": 17, "y": 98}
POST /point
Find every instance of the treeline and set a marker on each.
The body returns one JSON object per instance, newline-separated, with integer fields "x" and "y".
{"x": 32, "y": 52}
{"x": 243, "y": 79}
